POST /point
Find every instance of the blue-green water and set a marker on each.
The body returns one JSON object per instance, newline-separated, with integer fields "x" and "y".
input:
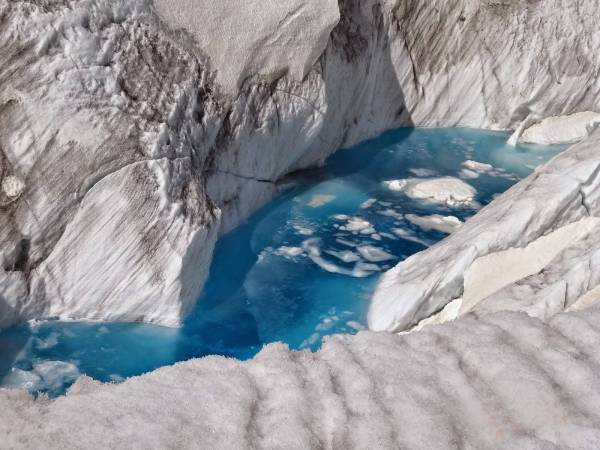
{"x": 301, "y": 268}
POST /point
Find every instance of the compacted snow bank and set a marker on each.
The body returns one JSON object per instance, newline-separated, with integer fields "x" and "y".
{"x": 501, "y": 255}
{"x": 498, "y": 381}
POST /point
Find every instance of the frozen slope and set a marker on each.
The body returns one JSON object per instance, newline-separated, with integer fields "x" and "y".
{"x": 499, "y": 381}
{"x": 134, "y": 132}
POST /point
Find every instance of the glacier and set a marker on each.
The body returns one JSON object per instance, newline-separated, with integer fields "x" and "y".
{"x": 133, "y": 138}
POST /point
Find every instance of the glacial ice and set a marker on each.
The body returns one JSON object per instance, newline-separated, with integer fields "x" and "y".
{"x": 286, "y": 86}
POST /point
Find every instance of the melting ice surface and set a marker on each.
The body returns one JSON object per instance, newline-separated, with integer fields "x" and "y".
{"x": 301, "y": 268}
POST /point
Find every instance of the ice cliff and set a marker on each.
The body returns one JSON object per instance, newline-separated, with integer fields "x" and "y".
{"x": 134, "y": 132}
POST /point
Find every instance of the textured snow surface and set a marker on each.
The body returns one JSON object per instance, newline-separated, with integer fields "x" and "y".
{"x": 537, "y": 223}
{"x": 500, "y": 381}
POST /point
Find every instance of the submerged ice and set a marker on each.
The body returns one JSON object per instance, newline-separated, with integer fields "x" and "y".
{"x": 301, "y": 268}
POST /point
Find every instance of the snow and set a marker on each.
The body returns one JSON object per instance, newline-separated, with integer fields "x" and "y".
{"x": 480, "y": 382}
{"x": 502, "y": 378}
{"x": 562, "y": 129}
{"x": 446, "y": 190}
{"x": 444, "y": 224}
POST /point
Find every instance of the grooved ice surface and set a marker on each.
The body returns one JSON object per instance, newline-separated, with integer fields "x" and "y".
{"x": 500, "y": 381}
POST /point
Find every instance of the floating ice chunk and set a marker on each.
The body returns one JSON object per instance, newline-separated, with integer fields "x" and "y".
{"x": 562, "y": 129}
{"x": 289, "y": 252}
{"x": 467, "y": 174}
{"x": 358, "y": 225}
{"x": 22, "y": 379}
{"x": 346, "y": 256}
{"x": 116, "y": 378}
{"x": 423, "y": 172}
{"x": 47, "y": 375}
{"x": 311, "y": 246}
{"x": 408, "y": 235}
{"x": 374, "y": 254}
{"x": 304, "y": 231}
{"x": 362, "y": 269}
{"x": 355, "y": 325}
{"x": 449, "y": 190}
{"x": 391, "y": 213}
{"x": 367, "y": 204}
{"x": 477, "y": 166}
{"x": 396, "y": 185}
{"x": 55, "y": 374}
{"x": 320, "y": 200}
{"x": 49, "y": 342}
{"x": 346, "y": 242}
{"x": 445, "y": 224}
{"x": 341, "y": 217}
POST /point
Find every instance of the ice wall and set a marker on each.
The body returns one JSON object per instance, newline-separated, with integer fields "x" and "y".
{"x": 134, "y": 132}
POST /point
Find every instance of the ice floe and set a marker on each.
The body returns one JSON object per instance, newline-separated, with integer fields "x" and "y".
{"x": 358, "y": 225}
{"x": 374, "y": 254}
{"x": 290, "y": 252}
{"x": 368, "y": 203}
{"x": 477, "y": 166}
{"x": 446, "y": 190}
{"x": 444, "y": 224}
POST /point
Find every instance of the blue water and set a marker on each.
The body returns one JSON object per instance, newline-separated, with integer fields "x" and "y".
{"x": 293, "y": 273}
